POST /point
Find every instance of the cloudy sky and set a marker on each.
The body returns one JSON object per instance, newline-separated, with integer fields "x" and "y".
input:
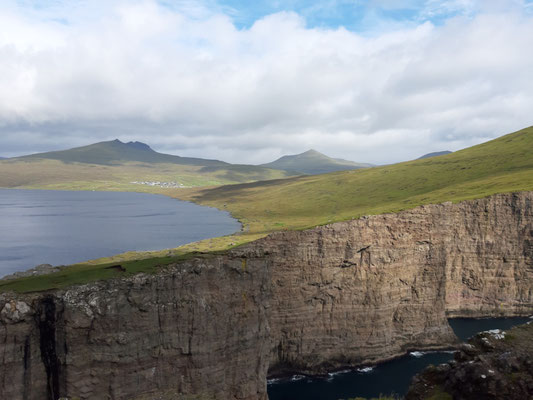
{"x": 248, "y": 81}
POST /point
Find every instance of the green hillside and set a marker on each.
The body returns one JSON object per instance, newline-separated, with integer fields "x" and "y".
{"x": 114, "y": 152}
{"x": 115, "y": 165}
{"x": 501, "y": 165}
{"x": 312, "y": 163}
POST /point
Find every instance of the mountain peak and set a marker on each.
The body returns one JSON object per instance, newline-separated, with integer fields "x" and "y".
{"x": 130, "y": 145}
{"x": 312, "y": 162}
{"x": 312, "y": 151}
{"x": 139, "y": 146}
{"x": 116, "y": 152}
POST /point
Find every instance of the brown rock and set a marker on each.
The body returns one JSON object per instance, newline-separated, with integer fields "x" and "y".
{"x": 344, "y": 294}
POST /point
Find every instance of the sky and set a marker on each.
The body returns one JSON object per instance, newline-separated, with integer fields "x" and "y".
{"x": 376, "y": 81}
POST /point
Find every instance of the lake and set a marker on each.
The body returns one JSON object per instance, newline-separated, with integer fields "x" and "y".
{"x": 385, "y": 378}
{"x": 60, "y": 227}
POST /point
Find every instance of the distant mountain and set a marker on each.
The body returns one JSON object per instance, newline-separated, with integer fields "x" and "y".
{"x": 312, "y": 163}
{"x": 124, "y": 166}
{"x": 435, "y": 154}
{"x": 2, "y": 158}
{"x": 116, "y": 152}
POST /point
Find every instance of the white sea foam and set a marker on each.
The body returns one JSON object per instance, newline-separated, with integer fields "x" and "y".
{"x": 496, "y": 333}
{"x": 344, "y": 371}
{"x": 365, "y": 370}
{"x": 295, "y": 378}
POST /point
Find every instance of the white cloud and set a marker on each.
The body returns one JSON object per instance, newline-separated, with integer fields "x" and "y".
{"x": 186, "y": 81}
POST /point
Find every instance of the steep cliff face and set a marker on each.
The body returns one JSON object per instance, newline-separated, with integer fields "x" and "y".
{"x": 369, "y": 289}
{"x": 198, "y": 329}
{"x": 348, "y": 293}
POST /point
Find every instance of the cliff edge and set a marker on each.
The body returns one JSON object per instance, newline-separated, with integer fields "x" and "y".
{"x": 343, "y": 294}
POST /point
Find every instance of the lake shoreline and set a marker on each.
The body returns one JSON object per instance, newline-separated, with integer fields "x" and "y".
{"x": 63, "y": 227}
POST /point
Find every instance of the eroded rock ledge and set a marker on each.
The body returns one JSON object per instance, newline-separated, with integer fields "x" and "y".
{"x": 492, "y": 365}
{"x": 343, "y": 294}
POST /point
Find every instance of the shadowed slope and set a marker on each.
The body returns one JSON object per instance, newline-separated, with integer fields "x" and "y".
{"x": 435, "y": 154}
{"x": 113, "y": 152}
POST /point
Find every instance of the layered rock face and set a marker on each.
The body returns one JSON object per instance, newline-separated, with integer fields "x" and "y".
{"x": 369, "y": 289}
{"x": 343, "y": 294}
{"x": 196, "y": 331}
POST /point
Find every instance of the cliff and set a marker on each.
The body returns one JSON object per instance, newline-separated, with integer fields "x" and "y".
{"x": 343, "y": 294}
{"x": 493, "y": 365}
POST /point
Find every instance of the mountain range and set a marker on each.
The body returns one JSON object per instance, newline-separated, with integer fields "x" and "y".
{"x": 118, "y": 165}
{"x": 115, "y": 165}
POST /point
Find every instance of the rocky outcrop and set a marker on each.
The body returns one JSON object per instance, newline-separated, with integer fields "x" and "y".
{"x": 41, "y": 269}
{"x": 493, "y": 365}
{"x": 344, "y": 294}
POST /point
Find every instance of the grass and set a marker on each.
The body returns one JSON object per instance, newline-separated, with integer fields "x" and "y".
{"x": 58, "y": 175}
{"x": 499, "y": 166}
{"x": 94, "y": 271}
{"x": 439, "y": 394}
{"x": 130, "y": 264}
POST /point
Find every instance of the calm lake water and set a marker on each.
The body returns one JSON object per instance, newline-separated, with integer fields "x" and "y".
{"x": 386, "y": 378}
{"x": 58, "y": 227}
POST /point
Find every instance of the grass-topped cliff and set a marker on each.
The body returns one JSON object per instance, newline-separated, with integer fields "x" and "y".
{"x": 501, "y": 165}
{"x": 498, "y": 166}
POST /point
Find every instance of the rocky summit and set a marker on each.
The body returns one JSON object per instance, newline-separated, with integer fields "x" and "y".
{"x": 308, "y": 301}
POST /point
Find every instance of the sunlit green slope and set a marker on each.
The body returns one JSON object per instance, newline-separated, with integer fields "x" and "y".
{"x": 501, "y": 165}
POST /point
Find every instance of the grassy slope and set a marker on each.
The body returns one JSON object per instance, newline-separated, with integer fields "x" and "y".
{"x": 54, "y": 174}
{"x": 502, "y": 165}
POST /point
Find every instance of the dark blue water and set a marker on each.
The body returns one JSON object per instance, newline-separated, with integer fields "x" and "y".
{"x": 465, "y": 328}
{"x": 391, "y": 377}
{"x": 58, "y": 227}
